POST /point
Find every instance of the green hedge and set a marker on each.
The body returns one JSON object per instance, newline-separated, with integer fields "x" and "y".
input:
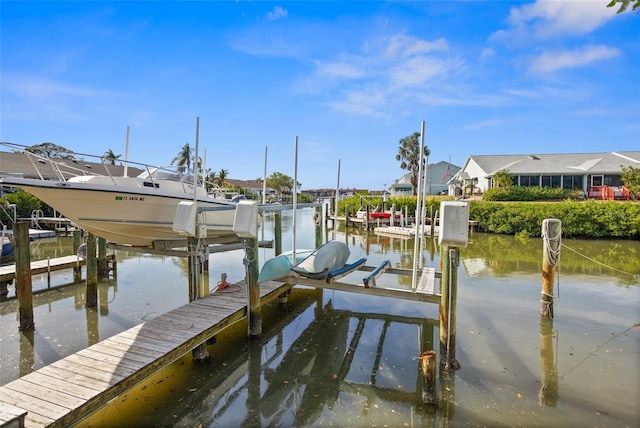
{"x": 588, "y": 219}
{"x": 529, "y": 193}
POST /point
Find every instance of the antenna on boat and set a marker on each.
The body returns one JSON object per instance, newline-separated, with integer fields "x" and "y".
{"x": 295, "y": 197}
{"x": 126, "y": 154}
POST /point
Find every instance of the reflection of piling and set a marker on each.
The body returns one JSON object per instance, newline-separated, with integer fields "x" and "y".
{"x": 548, "y": 395}
{"x": 24, "y": 286}
{"x": 428, "y": 372}
{"x": 551, "y": 235}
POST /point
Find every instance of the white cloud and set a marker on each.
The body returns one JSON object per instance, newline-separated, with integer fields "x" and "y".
{"x": 403, "y": 45}
{"x": 553, "y": 61}
{"x": 546, "y": 19}
{"x": 340, "y": 70}
{"x": 277, "y": 13}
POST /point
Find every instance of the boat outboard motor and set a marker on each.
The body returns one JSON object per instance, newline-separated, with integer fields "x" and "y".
{"x": 238, "y": 198}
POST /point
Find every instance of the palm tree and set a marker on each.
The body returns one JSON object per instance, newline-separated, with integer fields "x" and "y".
{"x": 222, "y": 177}
{"x": 183, "y": 159}
{"x": 502, "y": 178}
{"x": 409, "y": 157}
{"x": 110, "y": 157}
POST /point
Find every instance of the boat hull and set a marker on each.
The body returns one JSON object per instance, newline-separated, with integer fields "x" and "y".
{"x": 124, "y": 215}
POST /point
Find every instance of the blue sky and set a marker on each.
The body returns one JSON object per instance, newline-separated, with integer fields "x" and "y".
{"x": 349, "y": 79}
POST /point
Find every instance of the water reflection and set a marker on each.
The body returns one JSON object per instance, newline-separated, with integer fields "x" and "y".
{"x": 342, "y": 359}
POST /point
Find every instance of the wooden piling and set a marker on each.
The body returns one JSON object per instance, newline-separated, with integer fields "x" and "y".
{"x": 318, "y": 222}
{"x": 253, "y": 288}
{"x": 449, "y": 293}
{"x": 24, "y": 286}
{"x": 77, "y": 241}
{"x": 92, "y": 272}
{"x": 551, "y": 238}
{"x": 428, "y": 372}
{"x": 277, "y": 220}
{"x": 103, "y": 267}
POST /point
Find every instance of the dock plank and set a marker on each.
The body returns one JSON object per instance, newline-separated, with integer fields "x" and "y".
{"x": 53, "y": 396}
{"x": 74, "y": 378}
{"x": 73, "y": 389}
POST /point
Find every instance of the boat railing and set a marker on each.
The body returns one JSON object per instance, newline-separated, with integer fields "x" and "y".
{"x": 82, "y": 164}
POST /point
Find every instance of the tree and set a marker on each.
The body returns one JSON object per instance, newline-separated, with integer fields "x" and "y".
{"x": 631, "y": 178}
{"x": 409, "y": 157}
{"x": 183, "y": 159}
{"x": 222, "y": 177}
{"x": 110, "y": 157}
{"x": 280, "y": 182}
{"x": 624, "y": 4}
{"x": 51, "y": 150}
{"x": 502, "y": 178}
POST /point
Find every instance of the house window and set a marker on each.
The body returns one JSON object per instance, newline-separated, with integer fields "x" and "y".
{"x": 529, "y": 180}
{"x": 552, "y": 181}
{"x": 572, "y": 182}
{"x": 613, "y": 180}
{"x": 597, "y": 180}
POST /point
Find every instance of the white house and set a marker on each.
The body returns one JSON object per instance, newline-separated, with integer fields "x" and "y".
{"x": 585, "y": 171}
{"x": 438, "y": 174}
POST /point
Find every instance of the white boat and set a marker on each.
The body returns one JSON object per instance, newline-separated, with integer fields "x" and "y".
{"x": 137, "y": 211}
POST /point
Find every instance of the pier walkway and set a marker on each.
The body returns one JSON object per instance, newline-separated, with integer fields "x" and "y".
{"x": 8, "y": 272}
{"x": 71, "y": 388}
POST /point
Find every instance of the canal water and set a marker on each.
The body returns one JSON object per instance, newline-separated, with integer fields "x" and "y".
{"x": 330, "y": 358}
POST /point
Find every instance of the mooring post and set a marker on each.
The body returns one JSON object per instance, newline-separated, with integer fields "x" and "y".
{"x": 318, "y": 221}
{"x": 428, "y": 372}
{"x": 449, "y": 292}
{"x": 200, "y": 352}
{"x": 77, "y": 241}
{"x": 551, "y": 237}
{"x": 103, "y": 268}
{"x": 253, "y": 287}
{"x": 24, "y": 286}
{"x": 277, "y": 220}
{"x": 92, "y": 272}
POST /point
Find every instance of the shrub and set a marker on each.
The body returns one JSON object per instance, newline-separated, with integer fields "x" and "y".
{"x": 588, "y": 219}
{"x": 529, "y": 193}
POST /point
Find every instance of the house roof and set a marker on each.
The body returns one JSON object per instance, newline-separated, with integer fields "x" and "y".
{"x": 18, "y": 164}
{"x": 564, "y": 163}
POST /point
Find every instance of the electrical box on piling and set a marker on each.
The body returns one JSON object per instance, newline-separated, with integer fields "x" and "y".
{"x": 454, "y": 223}
{"x": 245, "y": 222}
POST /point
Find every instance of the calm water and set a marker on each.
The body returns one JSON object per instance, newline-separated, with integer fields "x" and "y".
{"x": 342, "y": 359}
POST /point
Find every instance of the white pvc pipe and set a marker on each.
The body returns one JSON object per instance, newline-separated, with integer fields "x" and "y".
{"x": 295, "y": 200}
{"x": 416, "y": 244}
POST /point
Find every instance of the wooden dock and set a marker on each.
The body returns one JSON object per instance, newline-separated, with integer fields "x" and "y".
{"x": 69, "y": 389}
{"x": 8, "y": 272}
